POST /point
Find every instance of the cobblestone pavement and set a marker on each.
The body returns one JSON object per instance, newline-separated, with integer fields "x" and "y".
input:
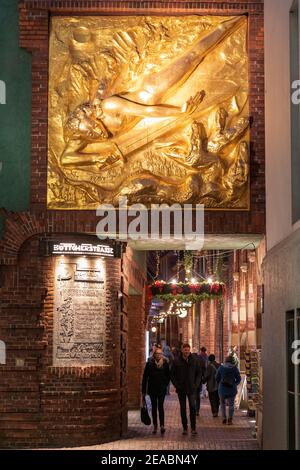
{"x": 212, "y": 434}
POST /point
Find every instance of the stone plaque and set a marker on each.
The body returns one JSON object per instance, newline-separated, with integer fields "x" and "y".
{"x": 88, "y": 276}
{"x": 79, "y": 313}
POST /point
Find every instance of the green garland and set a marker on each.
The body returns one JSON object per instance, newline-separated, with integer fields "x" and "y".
{"x": 194, "y": 298}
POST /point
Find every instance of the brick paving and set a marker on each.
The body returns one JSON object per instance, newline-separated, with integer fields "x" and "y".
{"x": 212, "y": 434}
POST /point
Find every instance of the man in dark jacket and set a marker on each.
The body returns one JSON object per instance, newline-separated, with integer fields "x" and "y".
{"x": 211, "y": 384}
{"x": 186, "y": 378}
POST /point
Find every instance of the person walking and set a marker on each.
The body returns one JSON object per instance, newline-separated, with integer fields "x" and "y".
{"x": 186, "y": 377}
{"x": 169, "y": 356}
{"x": 204, "y": 356}
{"x": 228, "y": 378}
{"x": 202, "y": 365}
{"x": 155, "y": 381}
{"x": 212, "y": 385}
{"x": 204, "y": 362}
{"x": 175, "y": 351}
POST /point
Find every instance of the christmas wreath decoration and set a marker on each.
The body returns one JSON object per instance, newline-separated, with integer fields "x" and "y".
{"x": 192, "y": 292}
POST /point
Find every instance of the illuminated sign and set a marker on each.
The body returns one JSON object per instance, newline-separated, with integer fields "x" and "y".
{"x": 82, "y": 249}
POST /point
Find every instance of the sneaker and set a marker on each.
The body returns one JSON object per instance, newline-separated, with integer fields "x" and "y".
{"x": 184, "y": 432}
{"x": 229, "y": 421}
{"x": 162, "y": 430}
{"x": 194, "y": 432}
{"x": 224, "y": 421}
{"x": 215, "y": 416}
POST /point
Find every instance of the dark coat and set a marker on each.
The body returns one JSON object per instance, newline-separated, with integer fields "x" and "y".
{"x": 228, "y": 377}
{"x": 202, "y": 365}
{"x": 155, "y": 379}
{"x": 186, "y": 375}
{"x": 210, "y": 376}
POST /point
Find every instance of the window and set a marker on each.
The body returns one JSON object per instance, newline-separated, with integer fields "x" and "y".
{"x": 295, "y": 111}
{"x": 293, "y": 384}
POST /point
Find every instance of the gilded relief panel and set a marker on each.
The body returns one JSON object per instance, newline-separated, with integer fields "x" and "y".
{"x": 151, "y": 108}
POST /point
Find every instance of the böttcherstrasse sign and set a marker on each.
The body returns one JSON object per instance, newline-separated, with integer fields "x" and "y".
{"x": 82, "y": 249}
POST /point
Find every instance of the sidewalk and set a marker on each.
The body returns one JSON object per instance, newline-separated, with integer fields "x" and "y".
{"x": 212, "y": 434}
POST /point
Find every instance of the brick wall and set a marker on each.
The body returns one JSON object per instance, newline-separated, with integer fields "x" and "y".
{"x": 134, "y": 287}
{"x": 136, "y": 349}
{"x": 42, "y": 405}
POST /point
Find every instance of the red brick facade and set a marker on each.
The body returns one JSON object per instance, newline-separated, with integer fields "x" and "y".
{"x": 43, "y": 405}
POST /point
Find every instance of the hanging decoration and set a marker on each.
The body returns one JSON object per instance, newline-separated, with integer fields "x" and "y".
{"x": 190, "y": 291}
{"x": 157, "y": 259}
{"x": 176, "y": 308}
{"x": 188, "y": 261}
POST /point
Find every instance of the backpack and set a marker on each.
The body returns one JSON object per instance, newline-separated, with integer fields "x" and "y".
{"x": 228, "y": 380}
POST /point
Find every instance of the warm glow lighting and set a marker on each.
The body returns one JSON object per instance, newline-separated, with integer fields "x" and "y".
{"x": 153, "y": 329}
{"x": 144, "y": 95}
{"x": 83, "y": 261}
{"x": 183, "y": 313}
{"x": 193, "y": 280}
{"x": 210, "y": 280}
{"x": 174, "y": 281}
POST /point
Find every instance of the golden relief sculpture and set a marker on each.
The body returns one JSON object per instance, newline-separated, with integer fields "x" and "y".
{"x": 152, "y": 108}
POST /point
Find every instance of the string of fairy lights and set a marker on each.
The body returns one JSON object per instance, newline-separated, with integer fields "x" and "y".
{"x": 180, "y": 308}
{"x": 177, "y": 308}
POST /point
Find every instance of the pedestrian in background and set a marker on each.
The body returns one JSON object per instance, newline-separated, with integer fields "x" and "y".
{"x": 228, "y": 378}
{"x": 202, "y": 365}
{"x": 204, "y": 362}
{"x": 212, "y": 385}
{"x": 169, "y": 356}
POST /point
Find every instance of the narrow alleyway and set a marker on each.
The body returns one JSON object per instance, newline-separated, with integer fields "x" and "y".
{"x": 212, "y": 434}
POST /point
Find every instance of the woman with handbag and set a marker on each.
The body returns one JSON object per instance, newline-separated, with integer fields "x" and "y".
{"x": 156, "y": 378}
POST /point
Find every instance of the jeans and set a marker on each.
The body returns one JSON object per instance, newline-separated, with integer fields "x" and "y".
{"x": 157, "y": 401}
{"x": 214, "y": 402}
{"x": 192, "y": 405}
{"x": 231, "y": 406}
